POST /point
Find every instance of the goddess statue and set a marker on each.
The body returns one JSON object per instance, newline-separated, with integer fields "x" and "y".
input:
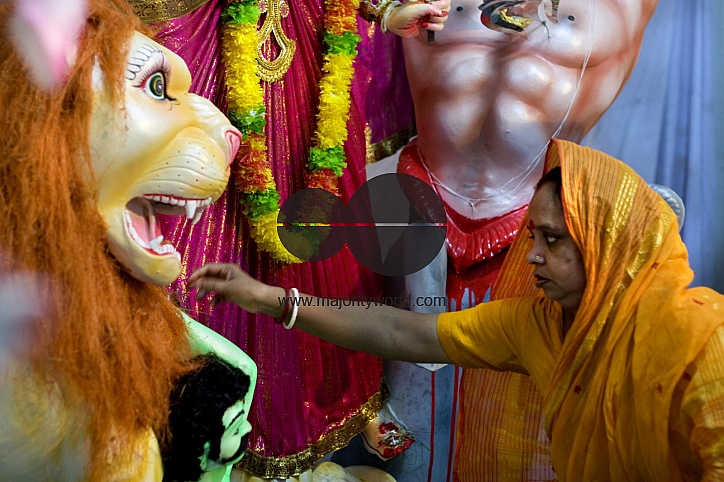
{"x": 312, "y": 397}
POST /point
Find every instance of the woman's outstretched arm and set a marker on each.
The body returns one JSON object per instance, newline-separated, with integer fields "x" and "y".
{"x": 380, "y": 330}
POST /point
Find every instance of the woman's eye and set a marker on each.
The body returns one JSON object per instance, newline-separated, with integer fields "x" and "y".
{"x": 155, "y": 86}
{"x": 551, "y": 239}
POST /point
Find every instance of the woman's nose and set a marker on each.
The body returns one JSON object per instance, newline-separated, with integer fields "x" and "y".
{"x": 533, "y": 257}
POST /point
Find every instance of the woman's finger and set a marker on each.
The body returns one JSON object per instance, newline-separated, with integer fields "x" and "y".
{"x": 211, "y": 270}
{"x": 217, "y": 299}
{"x": 207, "y": 285}
{"x": 205, "y": 270}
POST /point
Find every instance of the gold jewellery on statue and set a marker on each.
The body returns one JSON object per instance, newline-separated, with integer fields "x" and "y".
{"x": 273, "y": 70}
{"x": 374, "y": 10}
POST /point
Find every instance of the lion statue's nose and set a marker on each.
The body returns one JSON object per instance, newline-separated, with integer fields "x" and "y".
{"x": 233, "y": 140}
{"x": 215, "y": 124}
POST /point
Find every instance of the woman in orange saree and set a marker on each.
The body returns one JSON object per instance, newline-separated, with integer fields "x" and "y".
{"x": 592, "y": 302}
{"x": 633, "y": 389}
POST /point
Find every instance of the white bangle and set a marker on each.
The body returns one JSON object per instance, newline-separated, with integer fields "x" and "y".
{"x": 295, "y": 309}
{"x": 388, "y": 9}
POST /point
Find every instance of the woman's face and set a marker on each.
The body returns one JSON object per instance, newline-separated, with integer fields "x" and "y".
{"x": 559, "y": 270}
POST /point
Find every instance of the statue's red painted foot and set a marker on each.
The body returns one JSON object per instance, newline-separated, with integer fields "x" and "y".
{"x": 386, "y": 437}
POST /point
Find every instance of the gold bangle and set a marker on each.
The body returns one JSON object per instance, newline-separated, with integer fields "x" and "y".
{"x": 373, "y": 12}
{"x": 386, "y": 11}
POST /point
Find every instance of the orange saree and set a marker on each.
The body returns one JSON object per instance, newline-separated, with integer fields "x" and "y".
{"x": 635, "y": 391}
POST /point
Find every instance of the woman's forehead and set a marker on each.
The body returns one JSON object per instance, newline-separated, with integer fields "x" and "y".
{"x": 545, "y": 210}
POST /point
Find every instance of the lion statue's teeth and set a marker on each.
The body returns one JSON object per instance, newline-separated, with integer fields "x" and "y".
{"x": 191, "y": 208}
{"x": 194, "y": 207}
{"x": 197, "y": 218}
{"x": 155, "y": 244}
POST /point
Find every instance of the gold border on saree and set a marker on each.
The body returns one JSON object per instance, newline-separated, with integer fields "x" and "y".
{"x": 294, "y": 465}
{"x": 388, "y": 146}
{"x": 152, "y": 11}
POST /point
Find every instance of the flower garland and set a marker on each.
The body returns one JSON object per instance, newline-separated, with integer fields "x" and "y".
{"x": 259, "y": 196}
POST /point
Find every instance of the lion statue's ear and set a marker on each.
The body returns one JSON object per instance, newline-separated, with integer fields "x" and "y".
{"x": 46, "y": 33}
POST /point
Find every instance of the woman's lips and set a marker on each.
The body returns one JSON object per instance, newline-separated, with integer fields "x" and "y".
{"x": 540, "y": 281}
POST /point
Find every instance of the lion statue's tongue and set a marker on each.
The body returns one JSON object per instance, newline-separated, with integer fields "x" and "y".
{"x": 141, "y": 223}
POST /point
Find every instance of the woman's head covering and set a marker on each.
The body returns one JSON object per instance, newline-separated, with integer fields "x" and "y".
{"x": 634, "y": 307}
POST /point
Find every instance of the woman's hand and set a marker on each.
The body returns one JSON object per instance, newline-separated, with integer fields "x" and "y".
{"x": 380, "y": 330}
{"x": 229, "y": 283}
{"x": 411, "y": 18}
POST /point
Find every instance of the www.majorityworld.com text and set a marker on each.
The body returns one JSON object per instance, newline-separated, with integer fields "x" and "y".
{"x": 341, "y": 301}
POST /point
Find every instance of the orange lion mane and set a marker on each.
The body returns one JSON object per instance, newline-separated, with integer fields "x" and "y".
{"x": 111, "y": 343}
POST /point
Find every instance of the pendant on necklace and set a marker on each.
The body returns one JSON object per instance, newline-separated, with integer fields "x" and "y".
{"x": 273, "y": 70}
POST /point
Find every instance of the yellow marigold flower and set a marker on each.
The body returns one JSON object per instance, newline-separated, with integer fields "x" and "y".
{"x": 264, "y": 232}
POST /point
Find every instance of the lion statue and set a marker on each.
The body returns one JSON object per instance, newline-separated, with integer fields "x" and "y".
{"x": 83, "y": 171}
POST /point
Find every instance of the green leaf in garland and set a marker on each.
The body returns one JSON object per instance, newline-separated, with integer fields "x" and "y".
{"x": 260, "y": 203}
{"x": 241, "y": 12}
{"x": 332, "y": 158}
{"x": 314, "y": 237}
{"x": 253, "y": 120}
{"x": 345, "y": 43}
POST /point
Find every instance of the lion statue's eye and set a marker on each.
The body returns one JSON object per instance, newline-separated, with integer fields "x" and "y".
{"x": 155, "y": 85}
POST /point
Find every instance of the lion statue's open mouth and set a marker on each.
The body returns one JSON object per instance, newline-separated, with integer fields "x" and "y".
{"x": 142, "y": 225}
{"x": 168, "y": 151}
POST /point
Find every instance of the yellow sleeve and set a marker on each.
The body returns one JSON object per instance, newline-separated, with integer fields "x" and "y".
{"x": 703, "y": 403}
{"x": 516, "y": 334}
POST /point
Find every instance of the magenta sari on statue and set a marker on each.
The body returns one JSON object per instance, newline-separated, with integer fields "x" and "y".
{"x": 311, "y": 397}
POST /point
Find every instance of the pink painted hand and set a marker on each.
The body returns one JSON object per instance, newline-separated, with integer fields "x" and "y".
{"x": 410, "y": 19}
